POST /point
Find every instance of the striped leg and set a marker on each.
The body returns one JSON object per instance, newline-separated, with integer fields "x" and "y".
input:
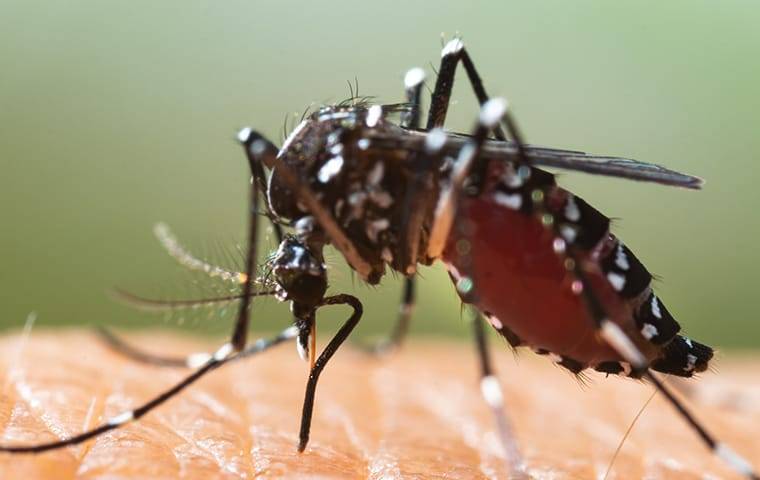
{"x": 451, "y": 55}
{"x": 494, "y": 397}
{"x": 490, "y": 115}
{"x": 400, "y": 330}
{"x": 414, "y": 208}
{"x": 258, "y": 150}
{"x": 616, "y": 337}
{"x": 224, "y": 355}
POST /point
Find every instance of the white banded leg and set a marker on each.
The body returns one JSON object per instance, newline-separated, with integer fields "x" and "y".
{"x": 491, "y": 114}
{"x": 493, "y": 395}
{"x": 614, "y": 335}
{"x": 223, "y": 355}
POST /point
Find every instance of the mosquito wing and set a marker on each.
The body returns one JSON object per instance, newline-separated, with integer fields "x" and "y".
{"x": 609, "y": 166}
{"x": 553, "y": 158}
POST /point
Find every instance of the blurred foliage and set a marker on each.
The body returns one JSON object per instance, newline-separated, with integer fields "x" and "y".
{"x": 116, "y": 115}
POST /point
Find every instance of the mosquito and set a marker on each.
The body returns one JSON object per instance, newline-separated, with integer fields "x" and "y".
{"x": 536, "y": 262}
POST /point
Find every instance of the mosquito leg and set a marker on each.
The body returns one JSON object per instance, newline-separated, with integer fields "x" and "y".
{"x": 396, "y": 337}
{"x": 324, "y": 357}
{"x": 118, "y": 345}
{"x": 406, "y": 308}
{"x": 258, "y": 150}
{"x": 413, "y": 81}
{"x": 452, "y": 53}
{"x": 494, "y": 397}
{"x": 414, "y": 207}
{"x": 490, "y": 115}
{"x": 614, "y": 335}
{"x": 222, "y": 356}
{"x": 193, "y": 360}
{"x": 257, "y": 170}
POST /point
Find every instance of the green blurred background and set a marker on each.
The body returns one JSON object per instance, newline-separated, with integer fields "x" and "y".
{"x": 116, "y": 115}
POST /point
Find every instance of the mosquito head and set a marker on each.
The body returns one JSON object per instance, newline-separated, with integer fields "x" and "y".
{"x": 300, "y": 273}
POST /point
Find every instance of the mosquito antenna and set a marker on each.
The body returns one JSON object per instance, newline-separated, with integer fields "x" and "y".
{"x": 151, "y": 304}
{"x": 627, "y": 433}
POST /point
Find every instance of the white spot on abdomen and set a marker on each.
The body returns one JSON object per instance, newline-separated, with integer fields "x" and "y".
{"x": 616, "y": 280}
{"x": 512, "y": 201}
{"x": 572, "y": 212}
{"x": 621, "y": 260}
{"x": 649, "y": 331}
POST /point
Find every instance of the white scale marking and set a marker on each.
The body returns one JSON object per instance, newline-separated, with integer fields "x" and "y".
{"x": 737, "y": 462}
{"x": 621, "y": 260}
{"x": 414, "y": 77}
{"x": 512, "y": 201}
{"x": 572, "y": 212}
{"x": 223, "y": 352}
{"x": 454, "y": 46}
{"x": 568, "y": 233}
{"x": 122, "y": 418}
{"x": 331, "y": 168}
{"x": 616, "y": 280}
{"x": 559, "y": 245}
{"x": 649, "y": 331}
{"x": 691, "y": 362}
{"x": 491, "y": 390}
{"x": 303, "y": 350}
{"x": 495, "y": 322}
{"x": 656, "y": 308}
{"x": 195, "y": 360}
{"x": 374, "y": 114}
{"x": 492, "y": 112}
{"x": 244, "y": 134}
{"x": 435, "y": 140}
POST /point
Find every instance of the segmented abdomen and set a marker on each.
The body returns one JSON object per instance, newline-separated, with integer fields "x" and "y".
{"x": 529, "y": 296}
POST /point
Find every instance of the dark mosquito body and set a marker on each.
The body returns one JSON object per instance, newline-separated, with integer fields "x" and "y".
{"x": 539, "y": 263}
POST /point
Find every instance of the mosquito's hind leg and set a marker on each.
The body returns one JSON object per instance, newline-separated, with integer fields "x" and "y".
{"x": 452, "y": 53}
{"x": 490, "y": 114}
{"x": 492, "y": 393}
{"x": 413, "y": 210}
{"x": 398, "y": 334}
{"x": 613, "y": 334}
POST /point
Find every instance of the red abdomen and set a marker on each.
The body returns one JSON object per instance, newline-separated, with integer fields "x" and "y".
{"x": 521, "y": 284}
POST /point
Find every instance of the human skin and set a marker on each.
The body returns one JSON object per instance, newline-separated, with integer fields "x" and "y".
{"x": 416, "y": 413}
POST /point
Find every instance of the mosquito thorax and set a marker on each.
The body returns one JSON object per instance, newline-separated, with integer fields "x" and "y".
{"x": 364, "y": 187}
{"x": 299, "y": 272}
